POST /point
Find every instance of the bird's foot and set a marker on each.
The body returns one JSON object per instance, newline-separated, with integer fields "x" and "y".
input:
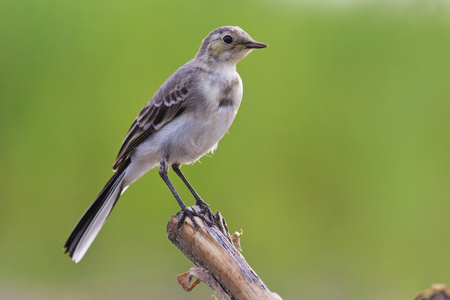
{"x": 186, "y": 212}
{"x": 205, "y": 210}
{"x": 205, "y": 214}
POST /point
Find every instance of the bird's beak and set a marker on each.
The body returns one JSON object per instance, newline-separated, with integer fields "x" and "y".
{"x": 253, "y": 45}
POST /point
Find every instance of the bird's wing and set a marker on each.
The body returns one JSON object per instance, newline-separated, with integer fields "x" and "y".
{"x": 166, "y": 104}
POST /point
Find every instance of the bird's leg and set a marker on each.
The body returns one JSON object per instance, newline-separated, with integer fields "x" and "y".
{"x": 163, "y": 171}
{"x": 203, "y": 205}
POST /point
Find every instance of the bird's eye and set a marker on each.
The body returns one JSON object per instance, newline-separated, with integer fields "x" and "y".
{"x": 227, "y": 39}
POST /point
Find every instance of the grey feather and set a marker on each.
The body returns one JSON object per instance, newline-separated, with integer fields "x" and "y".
{"x": 167, "y": 102}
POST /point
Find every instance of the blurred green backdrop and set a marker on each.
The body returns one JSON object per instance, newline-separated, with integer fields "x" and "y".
{"x": 337, "y": 166}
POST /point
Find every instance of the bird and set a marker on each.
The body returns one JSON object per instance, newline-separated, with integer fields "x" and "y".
{"x": 184, "y": 120}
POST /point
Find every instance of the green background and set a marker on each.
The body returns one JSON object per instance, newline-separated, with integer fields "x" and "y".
{"x": 337, "y": 166}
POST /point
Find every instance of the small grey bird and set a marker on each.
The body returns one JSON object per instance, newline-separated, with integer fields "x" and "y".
{"x": 185, "y": 119}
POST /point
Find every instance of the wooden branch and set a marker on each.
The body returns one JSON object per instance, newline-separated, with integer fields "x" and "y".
{"x": 219, "y": 263}
{"x": 435, "y": 292}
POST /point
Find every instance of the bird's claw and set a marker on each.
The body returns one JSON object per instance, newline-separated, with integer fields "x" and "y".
{"x": 205, "y": 210}
{"x": 187, "y": 212}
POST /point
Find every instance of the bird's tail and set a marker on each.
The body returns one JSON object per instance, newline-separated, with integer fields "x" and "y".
{"x": 93, "y": 219}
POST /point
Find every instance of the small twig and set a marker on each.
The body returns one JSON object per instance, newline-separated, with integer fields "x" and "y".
{"x": 202, "y": 275}
{"x": 220, "y": 264}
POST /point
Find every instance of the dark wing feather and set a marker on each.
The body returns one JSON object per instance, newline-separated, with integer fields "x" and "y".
{"x": 167, "y": 103}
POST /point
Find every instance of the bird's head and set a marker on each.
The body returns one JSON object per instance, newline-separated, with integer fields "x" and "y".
{"x": 228, "y": 44}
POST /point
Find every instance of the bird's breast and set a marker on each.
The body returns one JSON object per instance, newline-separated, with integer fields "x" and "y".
{"x": 223, "y": 90}
{"x": 204, "y": 127}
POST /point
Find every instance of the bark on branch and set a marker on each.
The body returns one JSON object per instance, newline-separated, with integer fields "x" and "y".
{"x": 219, "y": 263}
